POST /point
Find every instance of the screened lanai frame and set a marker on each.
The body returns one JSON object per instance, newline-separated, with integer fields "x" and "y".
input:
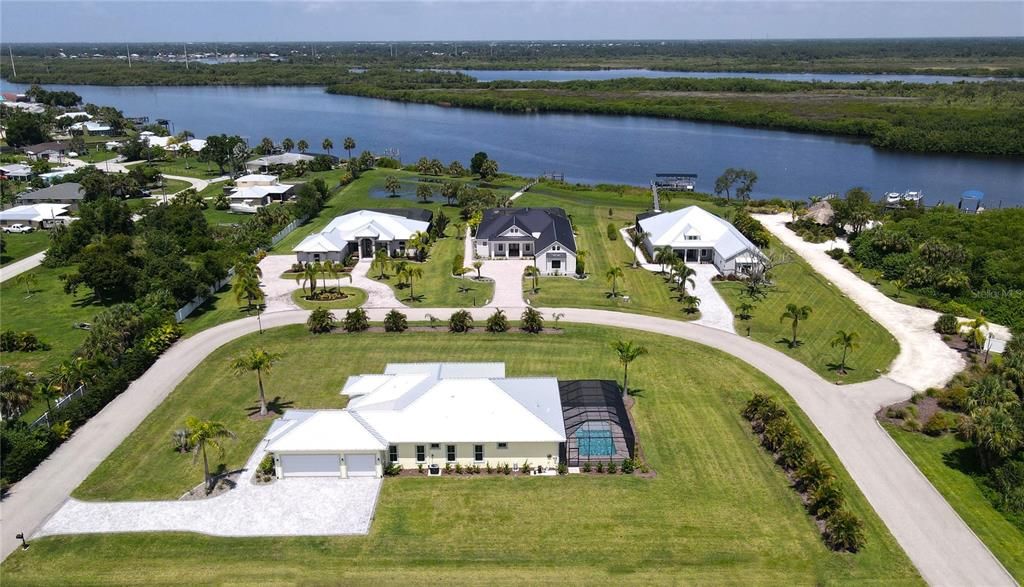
{"x": 597, "y": 427}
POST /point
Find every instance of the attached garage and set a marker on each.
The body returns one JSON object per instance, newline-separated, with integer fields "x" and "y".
{"x": 314, "y": 465}
{"x": 361, "y": 465}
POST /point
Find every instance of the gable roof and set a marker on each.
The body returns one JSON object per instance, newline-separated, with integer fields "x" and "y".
{"x": 545, "y": 225}
{"x": 326, "y": 431}
{"x": 61, "y": 191}
{"x": 35, "y": 212}
{"x": 385, "y": 226}
{"x": 672, "y": 228}
{"x": 42, "y": 147}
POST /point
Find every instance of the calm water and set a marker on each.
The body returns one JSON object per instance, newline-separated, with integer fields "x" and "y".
{"x": 561, "y": 75}
{"x": 586, "y": 148}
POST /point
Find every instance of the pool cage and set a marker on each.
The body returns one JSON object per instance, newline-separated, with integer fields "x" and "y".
{"x": 597, "y": 427}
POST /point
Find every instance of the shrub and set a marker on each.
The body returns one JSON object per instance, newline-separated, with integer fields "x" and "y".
{"x": 895, "y": 413}
{"x": 489, "y": 468}
{"x": 911, "y": 424}
{"x": 497, "y": 322}
{"x": 947, "y": 324}
{"x": 457, "y": 263}
{"x": 392, "y": 469}
{"x": 953, "y": 398}
{"x": 321, "y": 320}
{"x": 600, "y": 467}
{"x": 612, "y": 468}
{"x": 531, "y": 321}
{"x": 266, "y": 467}
{"x": 836, "y": 253}
{"x": 581, "y": 268}
{"x": 586, "y": 467}
{"x": 793, "y": 453}
{"x": 395, "y": 321}
{"x": 825, "y": 500}
{"x": 844, "y": 531}
{"x": 812, "y": 474}
{"x": 777, "y": 432}
{"x": 460, "y": 321}
{"x": 940, "y": 423}
{"x": 355, "y": 321}
{"x": 419, "y": 468}
{"x": 507, "y": 469}
{"x": 458, "y": 468}
{"x": 628, "y": 466}
{"x": 613, "y": 233}
{"x": 563, "y": 469}
{"x": 448, "y": 468}
{"x": 179, "y": 441}
{"x": 25, "y": 342}
{"x": 1008, "y": 481}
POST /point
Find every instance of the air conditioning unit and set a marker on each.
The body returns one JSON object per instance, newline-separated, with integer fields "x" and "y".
{"x": 433, "y": 471}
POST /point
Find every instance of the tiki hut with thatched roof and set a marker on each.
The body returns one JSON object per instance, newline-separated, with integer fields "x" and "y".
{"x": 820, "y": 213}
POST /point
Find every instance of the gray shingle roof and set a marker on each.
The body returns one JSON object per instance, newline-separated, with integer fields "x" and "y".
{"x": 552, "y": 224}
{"x": 60, "y": 192}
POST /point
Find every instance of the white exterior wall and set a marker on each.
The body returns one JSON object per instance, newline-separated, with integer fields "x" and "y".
{"x": 537, "y": 453}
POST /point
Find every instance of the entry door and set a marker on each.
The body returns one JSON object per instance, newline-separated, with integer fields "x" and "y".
{"x": 513, "y": 249}
{"x": 361, "y": 465}
{"x": 366, "y": 248}
{"x": 691, "y": 255}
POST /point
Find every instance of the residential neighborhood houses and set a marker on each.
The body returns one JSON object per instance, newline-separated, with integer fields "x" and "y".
{"x": 43, "y": 215}
{"x": 362, "y": 233}
{"x": 70, "y": 194}
{"x": 267, "y": 162}
{"x": 698, "y": 236}
{"x": 542, "y": 234}
{"x": 254, "y": 191}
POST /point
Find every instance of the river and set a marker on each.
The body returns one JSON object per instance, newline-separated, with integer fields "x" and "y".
{"x": 564, "y": 75}
{"x": 586, "y": 148}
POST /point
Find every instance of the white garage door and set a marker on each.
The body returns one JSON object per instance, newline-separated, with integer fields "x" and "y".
{"x": 361, "y": 465}
{"x": 311, "y": 465}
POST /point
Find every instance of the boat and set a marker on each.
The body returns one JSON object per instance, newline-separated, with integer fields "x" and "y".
{"x": 893, "y": 198}
{"x": 912, "y": 197}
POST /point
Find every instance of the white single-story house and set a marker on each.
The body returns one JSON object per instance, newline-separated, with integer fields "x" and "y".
{"x": 93, "y": 127}
{"x": 424, "y": 414}
{"x": 265, "y": 162}
{"x": 18, "y": 171}
{"x": 70, "y": 194}
{"x": 542, "y": 234}
{"x": 49, "y": 151}
{"x": 195, "y": 144}
{"x": 75, "y": 116}
{"x": 362, "y": 233}
{"x": 50, "y": 176}
{"x": 253, "y": 192}
{"x": 698, "y": 236}
{"x": 36, "y": 215}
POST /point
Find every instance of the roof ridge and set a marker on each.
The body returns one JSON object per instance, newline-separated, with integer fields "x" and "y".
{"x": 362, "y": 422}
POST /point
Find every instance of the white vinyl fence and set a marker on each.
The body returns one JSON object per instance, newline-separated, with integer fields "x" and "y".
{"x": 44, "y": 420}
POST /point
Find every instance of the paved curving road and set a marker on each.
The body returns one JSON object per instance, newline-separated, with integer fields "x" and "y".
{"x": 943, "y": 548}
{"x": 12, "y": 270}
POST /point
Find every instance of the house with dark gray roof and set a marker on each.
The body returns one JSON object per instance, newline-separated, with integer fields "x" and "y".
{"x": 542, "y": 234}
{"x": 69, "y": 193}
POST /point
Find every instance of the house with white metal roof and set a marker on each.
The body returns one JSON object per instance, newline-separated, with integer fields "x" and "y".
{"x": 253, "y": 192}
{"x": 267, "y": 162}
{"x": 698, "y": 236}
{"x": 36, "y": 215}
{"x": 16, "y": 171}
{"x": 362, "y": 233}
{"x": 425, "y": 415}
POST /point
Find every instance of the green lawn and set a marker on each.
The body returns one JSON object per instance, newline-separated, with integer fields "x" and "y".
{"x": 951, "y": 466}
{"x": 831, "y": 310}
{"x": 198, "y": 169}
{"x": 214, "y": 216}
{"x": 589, "y": 211}
{"x": 98, "y": 156}
{"x": 438, "y": 288}
{"x": 20, "y": 245}
{"x": 719, "y": 510}
{"x": 170, "y": 186}
{"x": 357, "y": 297}
{"x": 219, "y": 308}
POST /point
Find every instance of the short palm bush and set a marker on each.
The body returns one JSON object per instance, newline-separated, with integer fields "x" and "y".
{"x": 395, "y": 321}
{"x": 320, "y": 321}
{"x": 497, "y": 322}
{"x": 532, "y": 321}
{"x": 844, "y": 531}
{"x": 355, "y": 321}
{"x": 460, "y": 321}
{"x": 826, "y": 499}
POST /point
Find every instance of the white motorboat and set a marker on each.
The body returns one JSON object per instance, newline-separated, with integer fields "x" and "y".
{"x": 893, "y": 197}
{"x": 912, "y": 197}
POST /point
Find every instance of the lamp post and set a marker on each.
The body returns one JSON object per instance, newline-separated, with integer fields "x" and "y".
{"x": 21, "y": 536}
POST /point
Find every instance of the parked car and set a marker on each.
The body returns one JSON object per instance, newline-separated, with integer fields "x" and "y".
{"x": 18, "y": 228}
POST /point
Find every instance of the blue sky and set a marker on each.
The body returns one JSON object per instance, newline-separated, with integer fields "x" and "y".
{"x": 372, "y": 20}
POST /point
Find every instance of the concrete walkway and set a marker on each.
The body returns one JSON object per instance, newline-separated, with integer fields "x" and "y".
{"x": 12, "y": 270}
{"x": 714, "y": 312}
{"x": 378, "y": 294}
{"x": 942, "y": 547}
{"x": 277, "y": 291}
{"x": 508, "y": 283}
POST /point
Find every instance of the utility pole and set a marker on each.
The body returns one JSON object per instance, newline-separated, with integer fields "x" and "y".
{"x": 185, "y": 46}
{"x": 129, "y": 53}
{"x": 11, "y": 53}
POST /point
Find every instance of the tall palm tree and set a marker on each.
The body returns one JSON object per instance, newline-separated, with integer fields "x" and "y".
{"x": 302, "y": 145}
{"x": 310, "y": 275}
{"x": 410, "y": 272}
{"x": 246, "y": 287}
{"x": 627, "y": 352}
{"x": 327, "y": 145}
{"x": 287, "y": 144}
{"x": 636, "y": 240}
{"x": 203, "y": 433}
{"x": 795, "y": 314}
{"x": 420, "y": 242}
{"x": 381, "y": 261}
{"x": 684, "y": 274}
{"x": 266, "y": 146}
{"x": 849, "y": 341}
{"x": 349, "y": 144}
{"x": 185, "y": 151}
{"x": 613, "y": 276}
{"x": 29, "y": 279}
{"x": 392, "y": 185}
{"x": 665, "y": 257}
{"x": 399, "y": 268}
{"x": 533, "y": 273}
{"x": 260, "y": 361}
{"x": 67, "y": 375}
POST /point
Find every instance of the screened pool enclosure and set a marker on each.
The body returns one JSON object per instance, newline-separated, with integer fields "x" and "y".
{"x": 597, "y": 427}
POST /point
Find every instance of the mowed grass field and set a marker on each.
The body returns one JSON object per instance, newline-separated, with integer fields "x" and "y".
{"x": 796, "y": 283}
{"x": 17, "y": 246}
{"x": 952, "y": 467}
{"x": 589, "y": 211}
{"x": 438, "y": 288}
{"x": 719, "y": 510}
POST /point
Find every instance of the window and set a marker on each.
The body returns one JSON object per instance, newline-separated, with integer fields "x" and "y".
{"x": 501, "y": 247}
{"x": 392, "y": 453}
{"x": 435, "y": 445}
{"x": 421, "y": 453}
{"x": 451, "y": 453}
{"x": 478, "y": 453}
{"x": 692, "y": 238}
{"x": 502, "y": 445}
{"x": 556, "y": 264}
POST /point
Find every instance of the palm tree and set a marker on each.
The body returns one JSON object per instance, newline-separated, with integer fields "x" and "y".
{"x": 613, "y": 275}
{"x": 246, "y": 287}
{"x": 665, "y": 257}
{"x": 898, "y": 285}
{"x": 684, "y": 274}
{"x": 424, "y": 193}
{"x": 995, "y": 433}
{"x": 327, "y": 145}
{"x": 420, "y": 242}
{"x": 691, "y": 303}
{"x": 460, "y": 229}
{"x": 202, "y": 433}
{"x": 627, "y": 352}
{"x": 795, "y": 314}
{"x": 399, "y": 268}
{"x": 410, "y": 272}
{"x": 266, "y": 146}
{"x": 260, "y": 361}
{"x": 287, "y": 144}
{"x": 310, "y": 274}
{"x": 849, "y": 342}
{"x": 336, "y": 270}
{"x": 794, "y": 207}
{"x": 49, "y": 392}
{"x": 185, "y": 151}
{"x": 532, "y": 272}
{"x": 29, "y": 279}
{"x": 302, "y": 145}
{"x": 744, "y": 310}
{"x": 381, "y": 260}
{"x": 349, "y": 144}
{"x": 392, "y": 185}
{"x": 636, "y": 240}
{"x": 66, "y": 376}
{"x": 976, "y": 332}
{"x": 15, "y": 392}
{"x": 477, "y": 265}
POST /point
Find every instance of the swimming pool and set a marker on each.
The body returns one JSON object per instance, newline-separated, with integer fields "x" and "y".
{"x": 595, "y": 443}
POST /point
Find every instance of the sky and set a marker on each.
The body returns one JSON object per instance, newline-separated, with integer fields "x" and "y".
{"x": 48, "y": 21}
